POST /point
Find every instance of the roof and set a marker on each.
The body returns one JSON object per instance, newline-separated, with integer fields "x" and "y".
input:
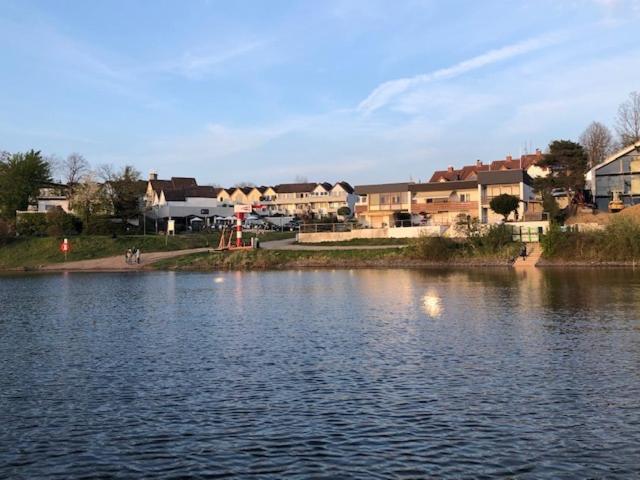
{"x": 183, "y": 182}
{"x": 201, "y": 192}
{"x": 439, "y": 186}
{"x": 524, "y": 162}
{"x": 345, "y": 186}
{"x": 174, "y": 195}
{"x": 618, "y": 154}
{"x": 454, "y": 175}
{"x": 295, "y": 187}
{"x": 382, "y": 188}
{"x": 159, "y": 185}
{"x": 496, "y": 177}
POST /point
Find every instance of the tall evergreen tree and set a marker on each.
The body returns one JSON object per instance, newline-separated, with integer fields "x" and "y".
{"x": 568, "y": 163}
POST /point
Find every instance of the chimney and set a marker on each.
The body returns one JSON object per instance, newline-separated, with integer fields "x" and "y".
{"x": 538, "y": 153}
{"x": 478, "y": 163}
{"x": 509, "y": 158}
{"x": 153, "y": 175}
{"x": 450, "y": 168}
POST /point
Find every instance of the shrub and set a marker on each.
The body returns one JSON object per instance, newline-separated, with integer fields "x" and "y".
{"x": 61, "y": 223}
{"x": 432, "y": 248}
{"x": 496, "y": 237}
{"x": 7, "y": 231}
{"x": 31, "y": 224}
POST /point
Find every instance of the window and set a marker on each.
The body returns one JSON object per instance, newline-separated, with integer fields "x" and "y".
{"x": 465, "y": 197}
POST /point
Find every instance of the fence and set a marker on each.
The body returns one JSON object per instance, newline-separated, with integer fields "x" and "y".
{"x": 526, "y": 234}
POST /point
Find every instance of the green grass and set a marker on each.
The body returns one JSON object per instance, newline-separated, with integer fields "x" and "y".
{"x": 33, "y": 251}
{"x": 30, "y": 252}
{"x": 360, "y": 242}
{"x": 279, "y": 259}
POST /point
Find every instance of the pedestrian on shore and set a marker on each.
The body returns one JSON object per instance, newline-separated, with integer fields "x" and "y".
{"x": 127, "y": 256}
{"x": 138, "y": 256}
{"x": 523, "y": 251}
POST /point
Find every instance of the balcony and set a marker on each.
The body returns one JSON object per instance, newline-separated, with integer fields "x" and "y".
{"x": 437, "y": 207}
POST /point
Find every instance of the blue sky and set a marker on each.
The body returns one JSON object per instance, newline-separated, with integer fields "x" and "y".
{"x": 264, "y": 91}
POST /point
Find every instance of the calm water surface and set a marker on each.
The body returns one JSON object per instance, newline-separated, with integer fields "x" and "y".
{"x": 327, "y": 374}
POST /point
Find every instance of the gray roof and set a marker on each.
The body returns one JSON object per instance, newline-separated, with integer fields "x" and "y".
{"x": 439, "y": 186}
{"x": 382, "y": 188}
{"x": 497, "y": 177}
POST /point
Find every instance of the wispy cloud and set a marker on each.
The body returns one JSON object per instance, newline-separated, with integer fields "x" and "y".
{"x": 387, "y": 91}
{"x": 196, "y": 65}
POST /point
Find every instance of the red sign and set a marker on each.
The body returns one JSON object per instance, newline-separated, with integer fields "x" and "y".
{"x": 65, "y": 247}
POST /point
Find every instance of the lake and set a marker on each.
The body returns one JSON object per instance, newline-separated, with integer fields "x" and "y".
{"x": 321, "y": 374}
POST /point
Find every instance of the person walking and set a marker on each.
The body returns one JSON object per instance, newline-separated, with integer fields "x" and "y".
{"x": 127, "y": 256}
{"x": 138, "y": 256}
{"x": 523, "y": 251}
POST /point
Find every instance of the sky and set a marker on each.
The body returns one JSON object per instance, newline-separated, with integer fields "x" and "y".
{"x": 367, "y": 91}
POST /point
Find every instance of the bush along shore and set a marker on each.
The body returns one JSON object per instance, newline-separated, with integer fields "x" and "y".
{"x": 493, "y": 248}
{"x": 617, "y": 245}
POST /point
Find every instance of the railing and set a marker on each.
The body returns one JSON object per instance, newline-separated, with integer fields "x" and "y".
{"x": 436, "y": 207}
{"x": 389, "y": 206}
{"x": 328, "y": 227}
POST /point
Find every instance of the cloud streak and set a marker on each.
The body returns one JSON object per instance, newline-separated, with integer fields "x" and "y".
{"x": 387, "y": 91}
{"x": 192, "y": 65}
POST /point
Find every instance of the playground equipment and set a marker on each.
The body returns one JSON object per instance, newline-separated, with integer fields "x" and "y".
{"x": 227, "y": 243}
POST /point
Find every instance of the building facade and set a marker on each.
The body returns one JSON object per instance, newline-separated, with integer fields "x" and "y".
{"x": 383, "y": 205}
{"x": 620, "y": 174}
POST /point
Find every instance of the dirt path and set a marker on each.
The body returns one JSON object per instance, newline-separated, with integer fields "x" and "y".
{"x": 117, "y": 263}
{"x": 289, "y": 244}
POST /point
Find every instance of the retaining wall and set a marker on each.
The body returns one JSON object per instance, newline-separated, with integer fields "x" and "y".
{"x": 400, "y": 232}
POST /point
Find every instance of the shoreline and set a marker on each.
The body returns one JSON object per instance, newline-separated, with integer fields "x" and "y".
{"x": 338, "y": 265}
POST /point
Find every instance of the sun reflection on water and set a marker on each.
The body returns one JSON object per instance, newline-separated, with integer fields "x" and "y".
{"x": 432, "y": 304}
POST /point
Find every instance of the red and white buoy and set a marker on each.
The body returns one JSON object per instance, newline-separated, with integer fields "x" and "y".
{"x": 240, "y": 211}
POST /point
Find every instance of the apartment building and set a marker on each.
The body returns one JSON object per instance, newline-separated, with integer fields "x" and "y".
{"x": 313, "y": 199}
{"x": 383, "y": 205}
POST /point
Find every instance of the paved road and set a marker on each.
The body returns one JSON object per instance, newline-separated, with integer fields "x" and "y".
{"x": 289, "y": 244}
{"x": 117, "y": 263}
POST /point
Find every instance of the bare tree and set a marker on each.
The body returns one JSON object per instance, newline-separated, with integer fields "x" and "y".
{"x": 301, "y": 179}
{"x": 74, "y": 167}
{"x": 628, "y": 120}
{"x": 597, "y": 142}
{"x": 244, "y": 184}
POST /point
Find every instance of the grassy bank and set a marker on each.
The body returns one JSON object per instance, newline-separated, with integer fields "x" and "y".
{"x": 31, "y": 251}
{"x": 423, "y": 252}
{"x": 617, "y": 244}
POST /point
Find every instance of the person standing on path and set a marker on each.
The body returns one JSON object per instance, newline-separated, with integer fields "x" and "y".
{"x": 138, "y": 256}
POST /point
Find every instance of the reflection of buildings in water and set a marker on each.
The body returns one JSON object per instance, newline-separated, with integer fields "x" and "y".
{"x": 432, "y": 303}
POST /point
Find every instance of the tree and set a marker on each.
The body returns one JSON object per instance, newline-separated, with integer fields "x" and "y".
{"x": 628, "y": 120}
{"x": 123, "y": 190}
{"x": 89, "y": 198}
{"x": 245, "y": 184}
{"x": 504, "y": 204}
{"x": 74, "y": 168}
{"x": 344, "y": 211}
{"x": 301, "y": 179}
{"x": 21, "y": 176}
{"x": 597, "y": 141}
{"x": 568, "y": 164}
